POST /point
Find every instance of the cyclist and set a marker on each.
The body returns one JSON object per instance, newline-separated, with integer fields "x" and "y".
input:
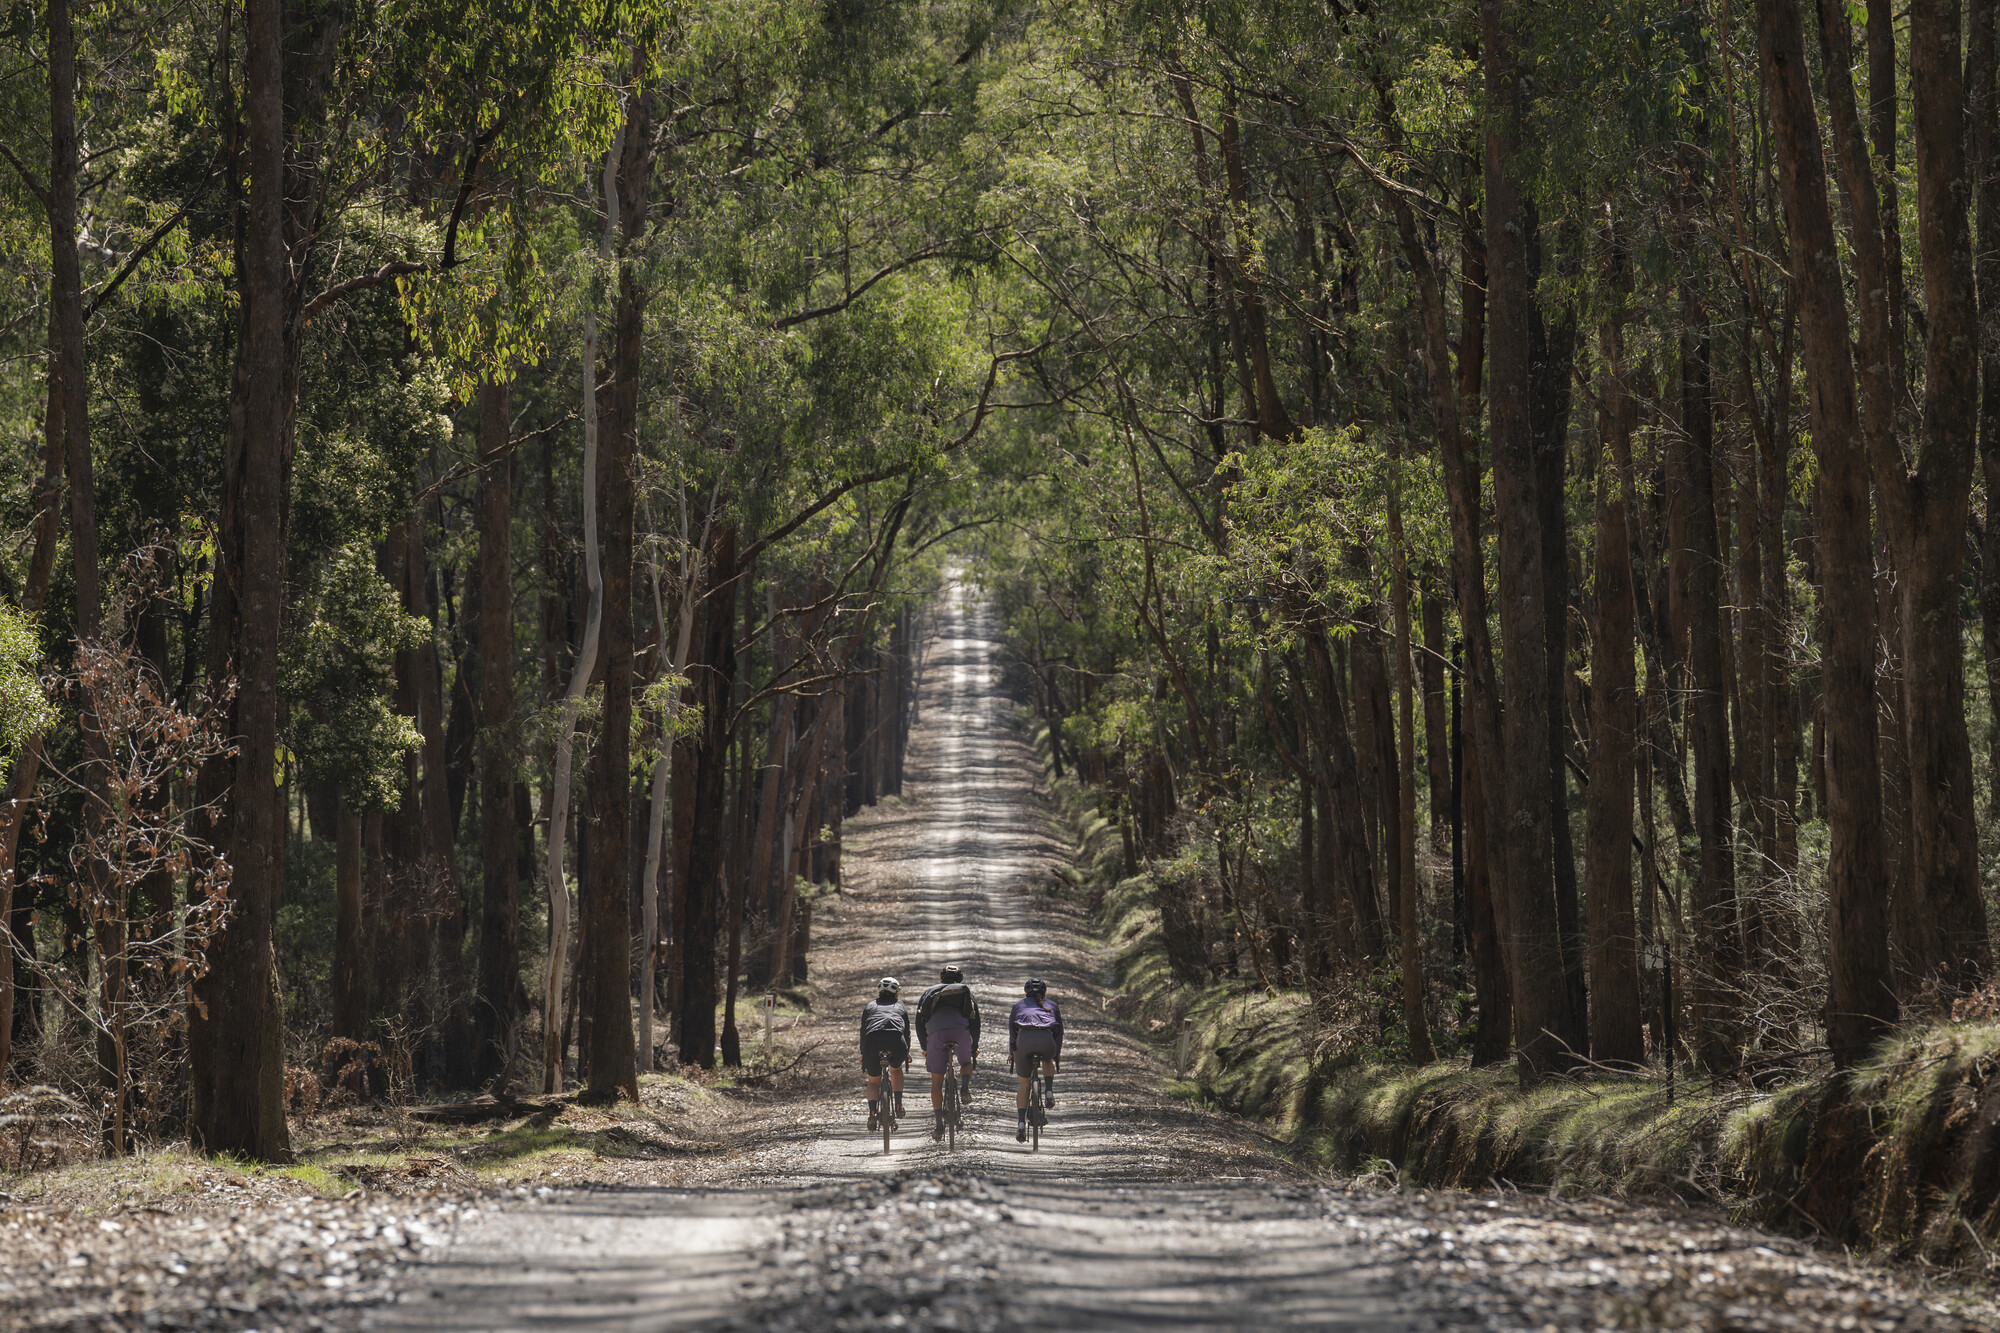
{"x": 885, "y": 1042}
{"x": 1034, "y": 1036}
{"x": 947, "y": 1012}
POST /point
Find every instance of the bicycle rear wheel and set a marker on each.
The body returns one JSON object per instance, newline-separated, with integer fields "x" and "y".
{"x": 888, "y": 1124}
{"x": 951, "y": 1102}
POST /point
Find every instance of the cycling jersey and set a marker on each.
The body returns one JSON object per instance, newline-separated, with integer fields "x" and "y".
{"x": 877, "y": 1017}
{"x": 1039, "y": 1017}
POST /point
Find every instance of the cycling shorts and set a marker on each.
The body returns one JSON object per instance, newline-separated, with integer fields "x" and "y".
{"x": 936, "y": 1041}
{"x": 1030, "y": 1044}
{"x": 883, "y": 1048}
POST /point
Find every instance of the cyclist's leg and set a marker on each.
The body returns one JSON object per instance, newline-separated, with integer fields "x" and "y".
{"x": 934, "y": 1062}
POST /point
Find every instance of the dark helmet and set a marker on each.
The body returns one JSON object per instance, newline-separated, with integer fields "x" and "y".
{"x": 889, "y": 986}
{"x": 952, "y": 972}
{"x": 1037, "y": 988}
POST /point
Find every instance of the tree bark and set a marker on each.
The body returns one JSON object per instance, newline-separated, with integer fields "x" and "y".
{"x": 1861, "y": 1004}
{"x": 350, "y": 973}
{"x": 1525, "y": 905}
{"x": 610, "y": 1063}
{"x": 1718, "y": 939}
{"x": 1943, "y": 805}
{"x": 702, "y": 890}
{"x": 500, "y": 992}
{"x": 235, "y": 1028}
{"x": 581, "y": 671}
{"x": 1607, "y": 840}
{"x": 1411, "y": 923}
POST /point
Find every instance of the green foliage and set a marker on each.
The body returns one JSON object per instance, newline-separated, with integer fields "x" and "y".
{"x": 24, "y": 708}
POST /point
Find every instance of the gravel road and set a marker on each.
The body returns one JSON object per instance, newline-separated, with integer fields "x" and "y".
{"x": 1138, "y": 1212}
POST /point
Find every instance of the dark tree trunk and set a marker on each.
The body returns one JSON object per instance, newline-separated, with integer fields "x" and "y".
{"x": 235, "y": 1031}
{"x": 1861, "y": 1004}
{"x": 715, "y": 674}
{"x": 1552, "y": 351}
{"x": 1945, "y": 836}
{"x": 1718, "y": 940}
{"x": 1983, "y": 107}
{"x": 1525, "y": 907}
{"x": 350, "y": 971}
{"x": 500, "y": 989}
{"x": 1607, "y": 838}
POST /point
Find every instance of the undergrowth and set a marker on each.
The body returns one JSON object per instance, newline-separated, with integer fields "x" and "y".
{"x": 1900, "y": 1156}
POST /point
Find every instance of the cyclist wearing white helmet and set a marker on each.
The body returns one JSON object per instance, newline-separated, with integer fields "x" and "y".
{"x": 885, "y": 1043}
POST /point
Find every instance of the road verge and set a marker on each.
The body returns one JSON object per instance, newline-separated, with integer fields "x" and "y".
{"x": 1900, "y": 1157}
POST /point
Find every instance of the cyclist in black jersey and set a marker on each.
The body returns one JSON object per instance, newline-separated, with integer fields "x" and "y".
{"x": 885, "y": 1043}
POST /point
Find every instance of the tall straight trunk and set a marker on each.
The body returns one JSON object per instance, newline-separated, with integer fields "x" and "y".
{"x": 1933, "y": 513}
{"x": 771, "y": 804}
{"x": 350, "y": 971}
{"x": 1485, "y": 768}
{"x": 702, "y": 891}
{"x": 1525, "y": 905}
{"x": 235, "y": 1028}
{"x": 1607, "y": 837}
{"x": 499, "y": 1006}
{"x": 1552, "y": 348}
{"x": 442, "y": 903}
{"x": 581, "y": 670}
{"x": 1349, "y": 872}
{"x": 610, "y": 1064}
{"x": 1410, "y": 924}
{"x": 1753, "y": 741}
{"x": 1437, "y": 736}
{"x": 1983, "y": 107}
{"x": 1718, "y": 940}
{"x": 1494, "y": 1041}
{"x": 1861, "y": 1004}
{"x": 663, "y": 773}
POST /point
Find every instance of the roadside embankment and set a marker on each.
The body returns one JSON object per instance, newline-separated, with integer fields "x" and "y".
{"x": 1901, "y": 1156}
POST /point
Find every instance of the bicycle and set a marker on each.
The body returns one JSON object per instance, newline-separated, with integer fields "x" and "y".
{"x": 888, "y": 1118}
{"x": 1038, "y": 1114}
{"x": 952, "y": 1104}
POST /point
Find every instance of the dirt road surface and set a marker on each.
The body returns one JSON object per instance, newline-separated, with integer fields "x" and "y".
{"x": 1138, "y": 1212}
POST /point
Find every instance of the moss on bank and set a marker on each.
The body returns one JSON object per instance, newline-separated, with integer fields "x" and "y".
{"x": 1901, "y": 1156}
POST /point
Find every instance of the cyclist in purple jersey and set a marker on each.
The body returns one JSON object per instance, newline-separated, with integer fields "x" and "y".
{"x": 1034, "y": 1039}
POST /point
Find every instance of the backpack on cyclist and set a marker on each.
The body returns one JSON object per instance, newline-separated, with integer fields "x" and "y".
{"x": 953, "y": 995}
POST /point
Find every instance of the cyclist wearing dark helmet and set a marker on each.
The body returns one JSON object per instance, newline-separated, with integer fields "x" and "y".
{"x": 948, "y": 1013}
{"x": 1034, "y": 1040}
{"x": 885, "y": 1043}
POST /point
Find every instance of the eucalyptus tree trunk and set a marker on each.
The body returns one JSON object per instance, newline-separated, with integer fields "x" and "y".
{"x": 498, "y": 1010}
{"x": 1525, "y": 906}
{"x": 1411, "y": 924}
{"x": 236, "y": 1026}
{"x": 608, "y": 1062}
{"x": 586, "y": 660}
{"x": 1943, "y": 922}
{"x": 663, "y": 771}
{"x": 1607, "y": 839}
{"x": 1861, "y": 1003}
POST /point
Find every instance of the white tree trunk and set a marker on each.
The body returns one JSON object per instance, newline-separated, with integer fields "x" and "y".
{"x": 586, "y": 658}
{"x": 663, "y": 770}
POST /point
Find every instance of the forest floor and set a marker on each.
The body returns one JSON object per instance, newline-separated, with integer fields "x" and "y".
{"x": 759, "y": 1201}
